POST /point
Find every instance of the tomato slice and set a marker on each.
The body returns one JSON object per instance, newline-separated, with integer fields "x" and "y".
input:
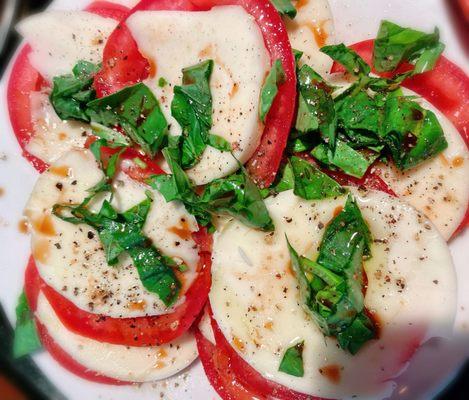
{"x": 124, "y": 65}
{"x": 140, "y": 331}
{"x": 446, "y": 87}
{"x": 24, "y": 79}
{"x": 32, "y": 288}
{"x": 231, "y": 376}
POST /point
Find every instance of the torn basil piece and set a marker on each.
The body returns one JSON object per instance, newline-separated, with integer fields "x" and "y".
{"x": 270, "y": 88}
{"x": 137, "y": 112}
{"x": 331, "y": 287}
{"x": 292, "y": 361}
{"x": 315, "y": 105}
{"x": 412, "y": 133}
{"x": 312, "y": 184}
{"x": 26, "y": 339}
{"x": 352, "y": 62}
{"x": 71, "y": 92}
{"x": 235, "y": 195}
{"x": 285, "y": 7}
{"x": 192, "y": 109}
{"x": 395, "y": 44}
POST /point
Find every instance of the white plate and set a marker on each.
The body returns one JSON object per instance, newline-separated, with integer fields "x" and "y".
{"x": 435, "y": 364}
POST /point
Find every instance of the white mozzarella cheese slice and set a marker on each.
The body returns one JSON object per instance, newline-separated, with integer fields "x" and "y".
{"x": 173, "y": 40}
{"x": 125, "y": 363}
{"x": 70, "y": 258}
{"x": 255, "y": 297}
{"x": 311, "y": 29}
{"x": 61, "y": 38}
{"x": 53, "y": 137}
{"x": 439, "y": 187}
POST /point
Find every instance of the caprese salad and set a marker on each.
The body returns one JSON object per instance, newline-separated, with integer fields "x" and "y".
{"x": 221, "y": 179}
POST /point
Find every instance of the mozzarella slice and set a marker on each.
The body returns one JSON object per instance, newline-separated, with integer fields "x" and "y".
{"x": 70, "y": 258}
{"x": 255, "y": 297}
{"x": 131, "y": 364}
{"x": 438, "y": 187}
{"x": 53, "y": 137}
{"x": 173, "y": 40}
{"x": 311, "y": 29}
{"x": 61, "y": 38}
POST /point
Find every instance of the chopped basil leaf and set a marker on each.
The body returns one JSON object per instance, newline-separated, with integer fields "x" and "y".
{"x": 341, "y": 237}
{"x": 331, "y": 287}
{"x": 26, "y": 339}
{"x": 110, "y": 135}
{"x": 292, "y": 361}
{"x": 310, "y": 183}
{"x": 269, "y": 89}
{"x": 352, "y": 62}
{"x": 297, "y": 54}
{"x": 235, "y": 195}
{"x": 71, "y": 92}
{"x": 162, "y": 82}
{"x": 315, "y": 105}
{"x": 219, "y": 143}
{"x": 395, "y": 44}
{"x": 122, "y": 232}
{"x": 192, "y": 109}
{"x": 411, "y": 133}
{"x": 285, "y": 7}
{"x": 137, "y": 112}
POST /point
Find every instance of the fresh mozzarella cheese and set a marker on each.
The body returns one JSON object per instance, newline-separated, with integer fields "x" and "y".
{"x": 311, "y": 29}
{"x": 173, "y": 40}
{"x": 255, "y": 297}
{"x": 125, "y": 363}
{"x": 438, "y": 187}
{"x": 52, "y": 137}
{"x": 70, "y": 258}
{"x": 61, "y": 38}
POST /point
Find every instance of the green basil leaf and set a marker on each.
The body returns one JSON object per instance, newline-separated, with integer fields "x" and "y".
{"x": 110, "y": 135}
{"x": 162, "y": 82}
{"x": 311, "y": 183}
{"x": 219, "y": 143}
{"x": 342, "y": 235}
{"x": 411, "y": 133}
{"x": 71, "y": 92}
{"x": 26, "y": 339}
{"x": 270, "y": 88}
{"x": 285, "y": 7}
{"x": 155, "y": 274}
{"x": 292, "y": 361}
{"x": 192, "y": 109}
{"x": 137, "y": 112}
{"x": 315, "y": 105}
{"x": 297, "y": 54}
{"x": 395, "y": 44}
{"x": 345, "y": 56}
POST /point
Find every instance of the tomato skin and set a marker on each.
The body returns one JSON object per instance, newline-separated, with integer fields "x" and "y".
{"x": 446, "y": 87}
{"x": 124, "y": 65}
{"x": 139, "y": 331}
{"x": 24, "y": 79}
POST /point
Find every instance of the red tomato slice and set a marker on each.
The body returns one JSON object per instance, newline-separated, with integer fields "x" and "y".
{"x": 230, "y": 375}
{"x": 446, "y": 87}
{"x": 124, "y": 65}
{"x": 140, "y": 331}
{"x": 32, "y": 287}
{"x": 24, "y": 79}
